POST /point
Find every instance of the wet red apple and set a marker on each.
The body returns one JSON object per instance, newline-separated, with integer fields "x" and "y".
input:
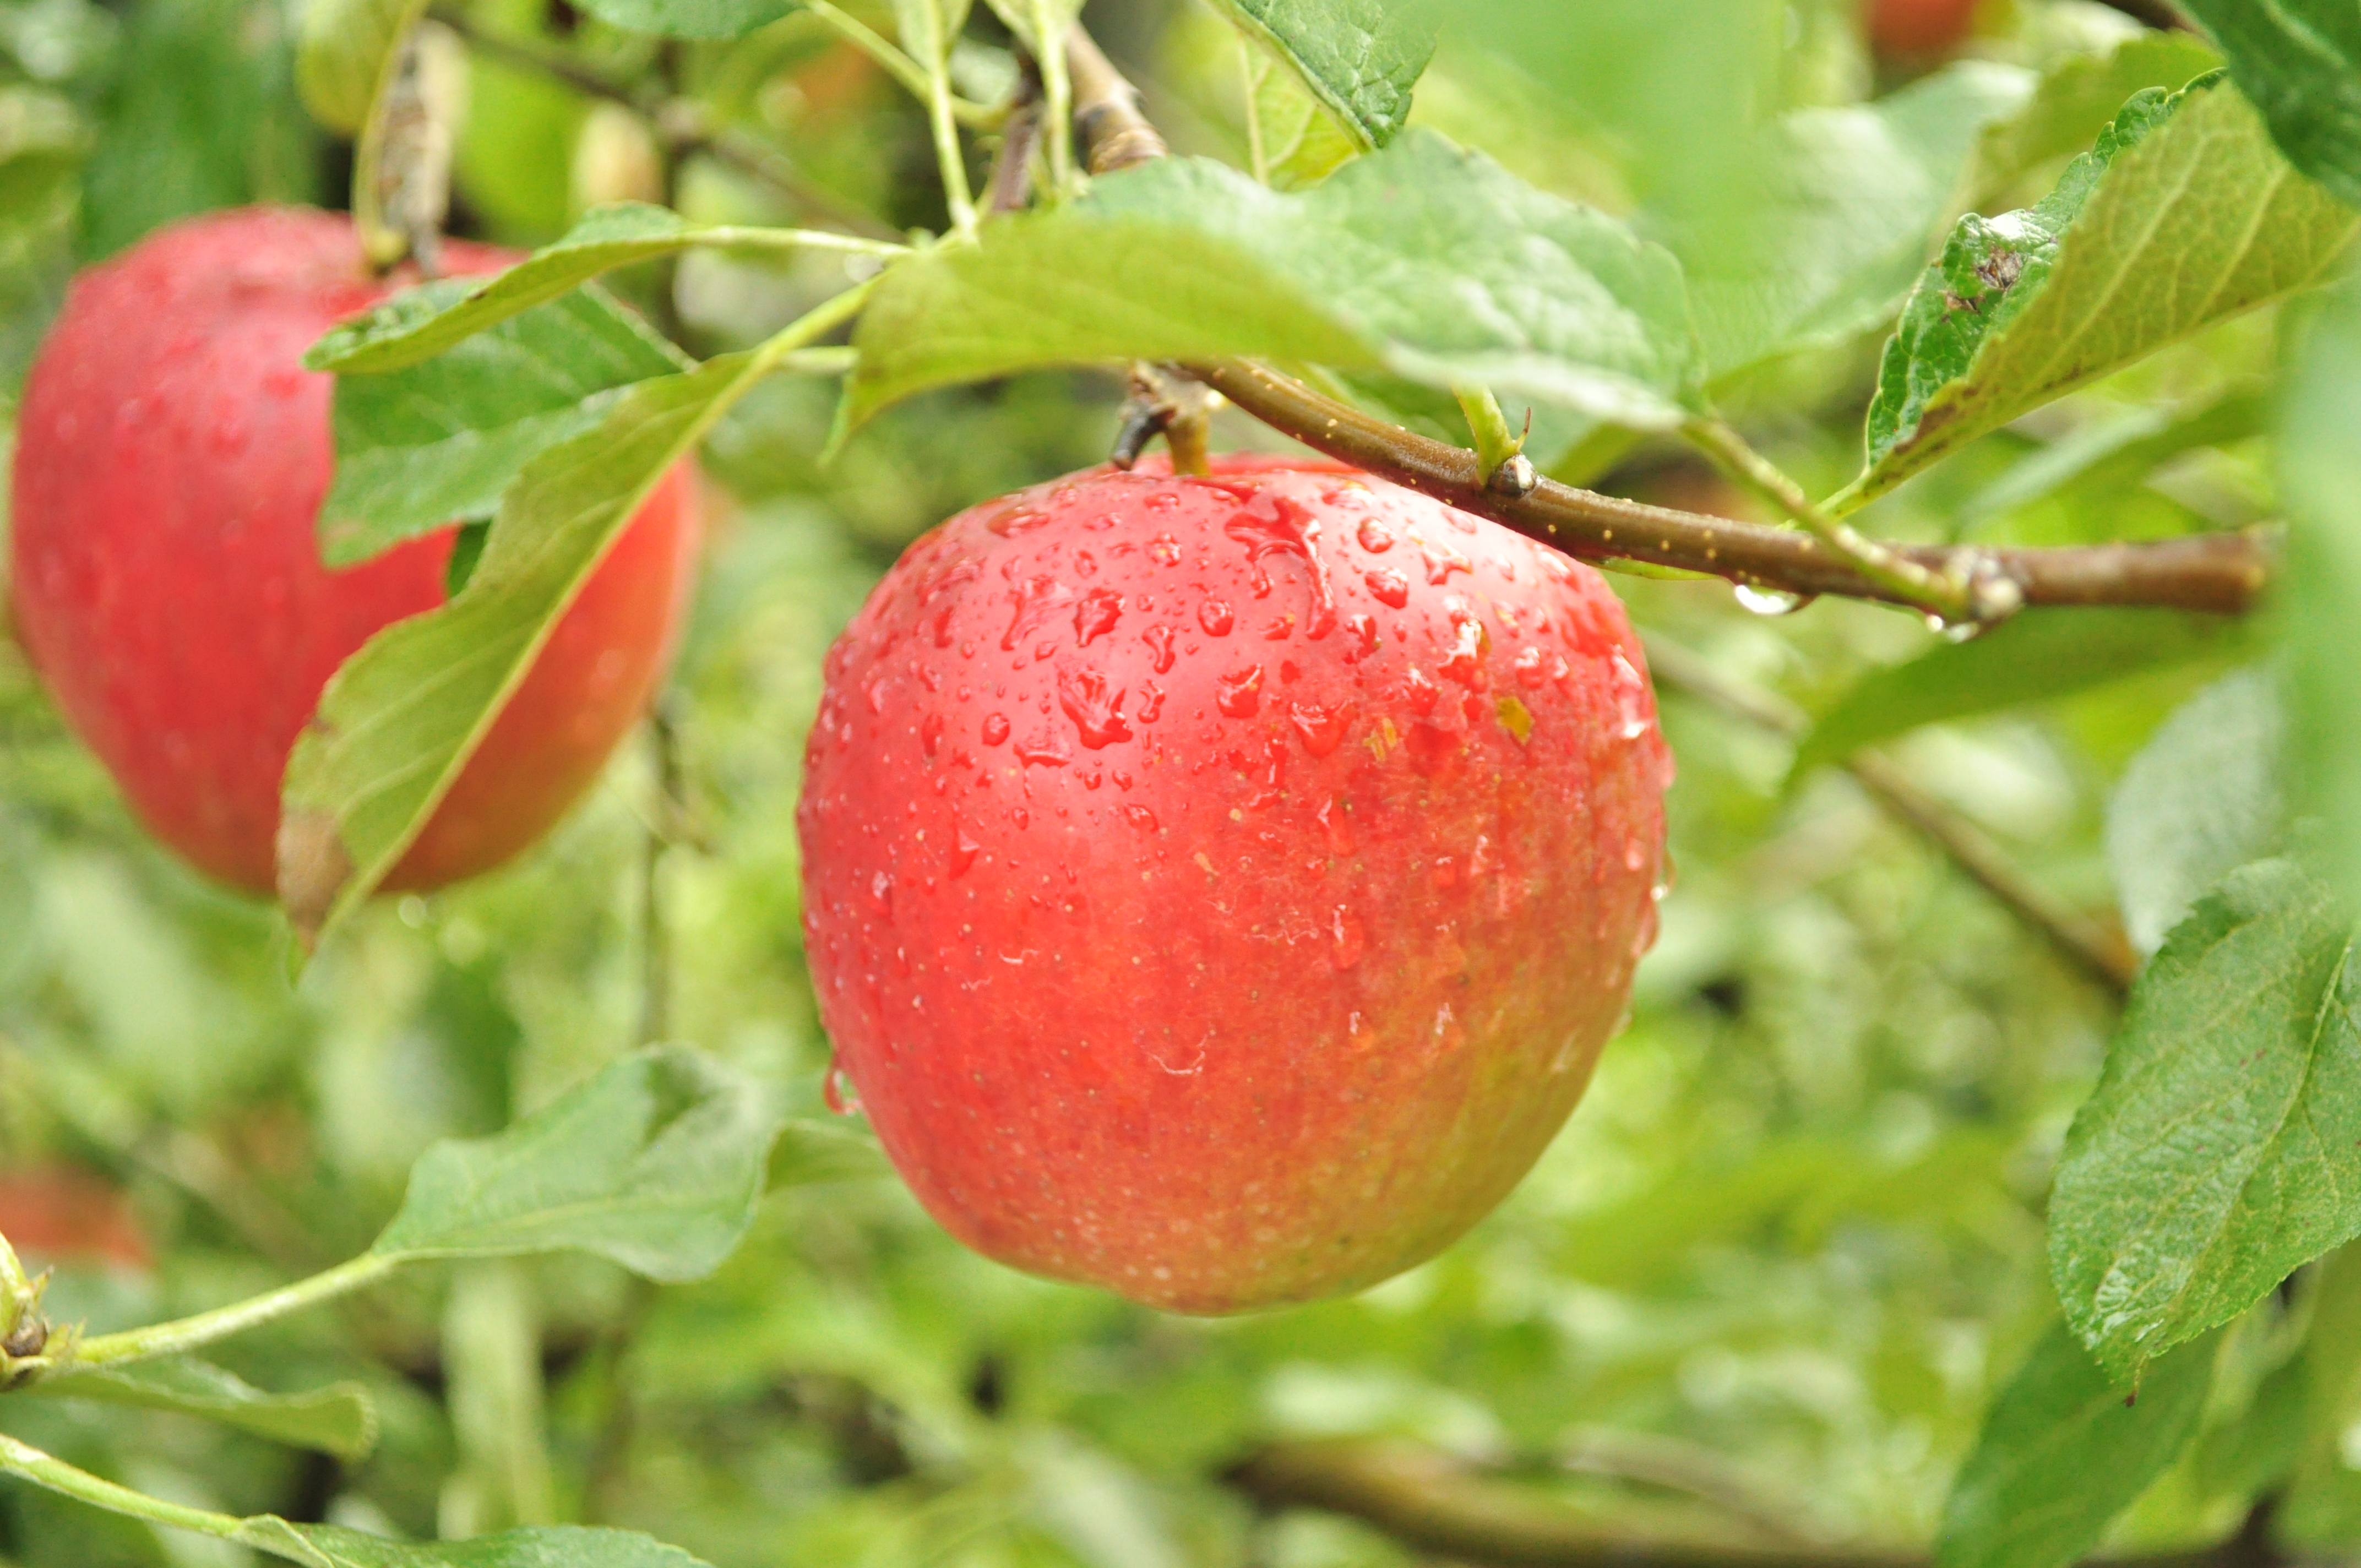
{"x": 60, "y": 1215}
{"x": 1218, "y": 890}
{"x": 172, "y": 455}
{"x": 1908, "y": 31}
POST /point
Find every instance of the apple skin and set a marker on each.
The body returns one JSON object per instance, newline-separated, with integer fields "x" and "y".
{"x": 1918, "y": 30}
{"x": 172, "y": 456}
{"x": 58, "y": 1214}
{"x": 1183, "y": 898}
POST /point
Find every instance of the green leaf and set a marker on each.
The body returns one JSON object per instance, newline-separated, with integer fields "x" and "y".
{"x": 809, "y": 1153}
{"x": 2299, "y": 61}
{"x": 337, "y": 1419}
{"x": 402, "y": 718}
{"x": 1302, "y": 141}
{"x": 2035, "y": 658}
{"x": 2221, "y": 1149}
{"x": 201, "y": 113}
{"x": 438, "y": 442}
{"x": 656, "y": 1163}
{"x": 689, "y": 18}
{"x": 2110, "y": 455}
{"x": 1431, "y": 262}
{"x": 1360, "y": 58}
{"x": 330, "y": 1546}
{"x": 1851, "y": 201}
{"x": 2077, "y": 97}
{"x": 2201, "y": 799}
{"x": 2322, "y": 1503}
{"x": 348, "y": 48}
{"x": 419, "y": 323}
{"x": 2183, "y": 215}
{"x": 2062, "y": 1453}
{"x": 2320, "y": 476}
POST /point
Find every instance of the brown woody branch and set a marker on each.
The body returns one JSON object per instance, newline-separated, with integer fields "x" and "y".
{"x": 2223, "y": 573}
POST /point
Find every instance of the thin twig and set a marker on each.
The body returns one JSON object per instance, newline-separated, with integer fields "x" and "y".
{"x": 1107, "y": 109}
{"x": 1939, "y": 593}
{"x": 682, "y": 125}
{"x": 2082, "y": 941}
{"x": 950, "y": 157}
{"x": 1011, "y": 185}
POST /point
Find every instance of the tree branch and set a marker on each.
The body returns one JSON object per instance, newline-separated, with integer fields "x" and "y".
{"x": 2083, "y": 942}
{"x": 2221, "y": 573}
{"x": 1107, "y": 109}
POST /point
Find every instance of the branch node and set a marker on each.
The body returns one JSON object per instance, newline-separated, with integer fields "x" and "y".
{"x": 1176, "y": 407}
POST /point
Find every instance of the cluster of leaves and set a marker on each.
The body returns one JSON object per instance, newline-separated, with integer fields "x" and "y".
{"x": 1795, "y": 1227}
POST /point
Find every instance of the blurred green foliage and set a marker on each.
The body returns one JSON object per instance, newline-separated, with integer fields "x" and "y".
{"x": 1790, "y": 1245}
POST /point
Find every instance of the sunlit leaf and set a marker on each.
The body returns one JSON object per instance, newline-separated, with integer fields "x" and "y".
{"x": 2299, "y": 61}
{"x": 439, "y": 441}
{"x": 402, "y": 715}
{"x": 689, "y": 18}
{"x": 656, "y": 1163}
{"x": 2222, "y": 1148}
{"x": 2064, "y": 1450}
{"x": 2077, "y": 98}
{"x": 419, "y": 324}
{"x": 2320, "y": 474}
{"x": 1360, "y": 58}
{"x": 337, "y": 1419}
{"x": 2183, "y": 215}
{"x": 1431, "y": 262}
{"x": 1851, "y": 203}
{"x": 348, "y": 48}
{"x": 2200, "y": 800}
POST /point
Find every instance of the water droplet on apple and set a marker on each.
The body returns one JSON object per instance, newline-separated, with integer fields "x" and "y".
{"x": 1216, "y": 617}
{"x": 1097, "y": 615}
{"x": 995, "y": 729}
{"x": 1240, "y": 693}
{"x": 1389, "y": 587}
{"x": 836, "y": 1090}
{"x": 1160, "y": 638}
{"x": 1096, "y": 712}
{"x": 1375, "y": 536}
{"x": 1347, "y": 939}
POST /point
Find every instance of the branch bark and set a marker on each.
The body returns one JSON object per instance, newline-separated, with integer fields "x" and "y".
{"x": 2221, "y": 573}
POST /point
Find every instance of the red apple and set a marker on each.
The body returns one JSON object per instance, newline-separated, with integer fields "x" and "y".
{"x": 1218, "y": 890}
{"x": 61, "y": 1215}
{"x": 1918, "y": 30}
{"x": 172, "y": 456}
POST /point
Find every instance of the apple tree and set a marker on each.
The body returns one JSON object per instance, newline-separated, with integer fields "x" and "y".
{"x": 1419, "y": 474}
